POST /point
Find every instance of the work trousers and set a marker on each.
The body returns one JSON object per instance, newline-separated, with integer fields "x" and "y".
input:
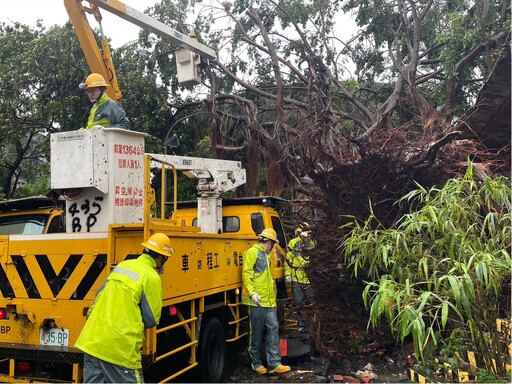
{"x": 264, "y": 320}
{"x": 303, "y": 295}
{"x": 100, "y": 371}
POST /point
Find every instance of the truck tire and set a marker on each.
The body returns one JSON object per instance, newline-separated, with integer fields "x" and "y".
{"x": 212, "y": 351}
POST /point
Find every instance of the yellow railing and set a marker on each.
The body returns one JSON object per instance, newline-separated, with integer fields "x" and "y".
{"x": 189, "y": 325}
{"x": 234, "y": 308}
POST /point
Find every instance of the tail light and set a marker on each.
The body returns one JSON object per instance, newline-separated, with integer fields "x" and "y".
{"x": 173, "y": 310}
{"x": 23, "y": 366}
{"x": 3, "y": 314}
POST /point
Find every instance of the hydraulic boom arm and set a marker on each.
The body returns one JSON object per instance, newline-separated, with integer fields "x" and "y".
{"x": 101, "y": 61}
{"x": 214, "y": 177}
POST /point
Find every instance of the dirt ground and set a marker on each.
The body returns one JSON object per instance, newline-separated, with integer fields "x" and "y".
{"x": 312, "y": 368}
{"x": 385, "y": 363}
{"x": 390, "y": 367}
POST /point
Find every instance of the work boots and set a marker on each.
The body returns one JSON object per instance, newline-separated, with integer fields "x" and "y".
{"x": 261, "y": 370}
{"x": 281, "y": 369}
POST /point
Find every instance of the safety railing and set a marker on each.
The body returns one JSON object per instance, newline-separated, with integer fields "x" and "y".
{"x": 234, "y": 308}
{"x": 190, "y": 326}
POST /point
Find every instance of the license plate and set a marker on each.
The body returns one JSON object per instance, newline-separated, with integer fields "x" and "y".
{"x": 54, "y": 336}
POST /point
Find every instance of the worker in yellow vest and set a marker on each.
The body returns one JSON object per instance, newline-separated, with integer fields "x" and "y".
{"x": 105, "y": 112}
{"x": 259, "y": 294}
{"x": 297, "y": 260}
{"x": 129, "y": 301}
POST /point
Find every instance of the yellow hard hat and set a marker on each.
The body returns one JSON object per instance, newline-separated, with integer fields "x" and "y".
{"x": 304, "y": 226}
{"x": 159, "y": 243}
{"x": 269, "y": 233}
{"x": 92, "y": 81}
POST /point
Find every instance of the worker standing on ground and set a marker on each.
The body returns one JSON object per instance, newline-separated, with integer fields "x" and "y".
{"x": 129, "y": 301}
{"x": 297, "y": 259}
{"x": 259, "y": 294}
{"x": 105, "y": 111}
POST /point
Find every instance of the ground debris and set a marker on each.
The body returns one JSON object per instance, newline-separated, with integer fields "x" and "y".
{"x": 320, "y": 369}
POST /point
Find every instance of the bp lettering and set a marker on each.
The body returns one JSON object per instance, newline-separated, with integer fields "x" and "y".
{"x": 5, "y": 329}
{"x": 86, "y": 208}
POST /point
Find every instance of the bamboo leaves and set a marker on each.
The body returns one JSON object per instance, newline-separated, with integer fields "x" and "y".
{"x": 443, "y": 268}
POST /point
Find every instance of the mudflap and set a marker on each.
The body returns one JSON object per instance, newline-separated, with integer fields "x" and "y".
{"x": 295, "y": 345}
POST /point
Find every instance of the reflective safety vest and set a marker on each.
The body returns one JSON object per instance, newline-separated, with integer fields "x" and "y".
{"x": 257, "y": 277}
{"x": 296, "y": 262}
{"x": 128, "y": 301}
{"x": 107, "y": 113}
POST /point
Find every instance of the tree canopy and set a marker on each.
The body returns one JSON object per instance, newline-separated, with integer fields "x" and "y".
{"x": 291, "y": 83}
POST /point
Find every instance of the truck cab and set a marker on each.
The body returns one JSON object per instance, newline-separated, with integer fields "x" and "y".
{"x": 34, "y": 215}
{"x": 235, "y": 212}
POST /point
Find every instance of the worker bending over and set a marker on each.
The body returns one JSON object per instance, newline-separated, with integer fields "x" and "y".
{"x": 129, "y": 301}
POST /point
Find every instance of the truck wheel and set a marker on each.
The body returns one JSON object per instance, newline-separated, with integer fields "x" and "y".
{"x": 212, "y": 351}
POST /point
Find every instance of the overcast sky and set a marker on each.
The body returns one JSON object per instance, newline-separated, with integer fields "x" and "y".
{"x": 53, "y": 12}
{"x": 119, "y": 31}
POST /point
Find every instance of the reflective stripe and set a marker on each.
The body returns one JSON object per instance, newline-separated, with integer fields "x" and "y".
{"x": 60, "y": 236}
{"x": 154, "y": 244}
{"x": 122, "y": 271}
{"x": 116, "y": 318}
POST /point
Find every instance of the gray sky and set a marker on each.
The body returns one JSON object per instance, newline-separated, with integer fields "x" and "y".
{"x": 53, "y": 12}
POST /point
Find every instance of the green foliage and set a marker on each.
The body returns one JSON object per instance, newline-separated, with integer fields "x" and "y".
{"x": 204, "y": 147}
{"x": 486, "y": 376}
{"x": 351, "y": 85}
{"x": 39, "y": 73}
{"x": 447, "y": 31}
{"x": 443, "y": 269}
{"x": 40, "y": 184}
{"x": 470, "y": 25}
{"x": 175, "y": 14}
{"x": 144, "y": 98}
{"x": 453, "y": 346}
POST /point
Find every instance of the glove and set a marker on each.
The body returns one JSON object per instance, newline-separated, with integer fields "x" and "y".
{"x": 288, "y": 279}
{"x": 256, "y": 298}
